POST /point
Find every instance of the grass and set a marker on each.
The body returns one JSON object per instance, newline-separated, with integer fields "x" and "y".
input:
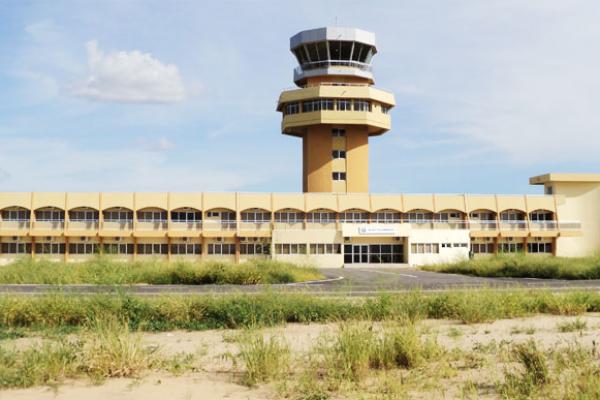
{"x": 525, "y": 266}
{"x": 572, "y": 326}
{"x": 263, "y": 359}
{"x": 535, "y": 372}
{"x": 108, "y": 349}
{"x": 105, "y": 271}
{"x": 63, "y": 312}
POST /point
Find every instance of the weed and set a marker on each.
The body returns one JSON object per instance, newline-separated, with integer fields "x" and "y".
{"x": 263, "y": 359}
{"x": 572, "y": 326}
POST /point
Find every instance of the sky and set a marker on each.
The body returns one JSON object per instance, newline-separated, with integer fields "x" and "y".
{"x": 180, "y": 95}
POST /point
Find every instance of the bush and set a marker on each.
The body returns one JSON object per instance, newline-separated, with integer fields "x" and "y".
{"x": 263, "y": 359}
{"x": 525, "y": 266}
{"x": 104, "y": 271}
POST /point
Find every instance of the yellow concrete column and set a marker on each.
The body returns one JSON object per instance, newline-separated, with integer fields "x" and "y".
{"x": 237, "y": 249}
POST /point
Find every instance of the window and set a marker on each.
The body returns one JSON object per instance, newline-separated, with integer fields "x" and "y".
{"x": 83, "y": 215}
{"x": 185, "y": 248}
{"x": 326, "y": 104}
{"x": 548, "y": 190}
{"x": 385, "y": 109}
{"x": 118, "y": 248}
{"x": 339, "y": 176}
{"x": 15, "y": 248}
{"x": 510, "y": 247}
{"x": 290, "y": 248}
{"x": 186, "y": 216}
{"x": 152, "y": 216}
{"x": 15, "y": 215}
{"x": 292, "y": 108}
{"x": 311, "y": 105}
{"x": 344, "y": 105}
{"x": 255, "y": 248}
{"x": 338, "y": 154}
{"x": 83, "y": 248}
{"x": 338, "y": 132}
{"x": 221, "y": 248}
{"x": 321, "y": 216}
{"x": 362, "y": 105}
{"x": 50, "y": 248}
{"x": 289, "y": 216}
{"x": 257, "y": 216}
{"x": 118, "y": 216}
{"x": 512, "y": 215}
{"x": 151, "y": 248}
{"x": 354, "y": 216}
{"x": 50, "y": 215}
{"x": 536, "y": 247}
{"x": 425, "y": 248}
{"x": 325, "y": 248}
{"x": 387, "y": 217}
{"x": 213, "y": 214}
{"x": 482, "y": 248}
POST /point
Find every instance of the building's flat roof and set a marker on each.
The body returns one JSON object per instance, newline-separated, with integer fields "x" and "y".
{"x": 564, "y": 177}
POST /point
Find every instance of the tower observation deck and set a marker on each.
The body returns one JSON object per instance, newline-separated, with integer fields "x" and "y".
{"x": 335, "y": 108}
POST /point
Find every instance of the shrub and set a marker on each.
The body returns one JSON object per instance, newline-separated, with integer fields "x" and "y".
{"x": 263, "y": 359}
{"x": 525, "y": 266}
{"x": 105, "y": 271}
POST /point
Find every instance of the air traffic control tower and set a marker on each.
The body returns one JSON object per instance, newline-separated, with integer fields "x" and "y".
{"x": 335, "y": 108}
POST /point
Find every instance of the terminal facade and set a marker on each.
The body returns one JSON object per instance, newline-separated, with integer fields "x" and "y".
{"x": 335, "y": 111}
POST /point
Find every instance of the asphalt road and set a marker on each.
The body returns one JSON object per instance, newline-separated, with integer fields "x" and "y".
{"x": 348, "y": 281}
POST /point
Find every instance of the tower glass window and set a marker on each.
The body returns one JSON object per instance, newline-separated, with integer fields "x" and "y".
{"x": 338, "y": 132}
{"x": 338, "y": 154}
{"x": 292, "y": 108}
{"x": 344, "y": 105}
{"x": 362, "y": 105}
{"x": 339, "y": 176}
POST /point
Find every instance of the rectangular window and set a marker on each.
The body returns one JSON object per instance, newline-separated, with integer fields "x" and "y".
{"x": 425, "y": 248}
{"x": 338, "y": 132}
{"x": 185, "y": 248}
{"x": 339, "y": 176}
{"x": 15, "y": 248}
{"x": 344, "y": 105}
{"x": 221, "y": 248}
{"x": 152, "y": 216}
{"x": 118, "y": 216}
{"x": 385, "y": 109}
{"x": 186, "y": 216}
{"x": 50, "y": 248}
{"x": 290, "y": 248}
{"x": 338, "y": 154}
{"x": 326, "y": 104}
{"x": 292, "y": 108}
{"x": 362, "y": 105}
{"x": 311, "y": 105}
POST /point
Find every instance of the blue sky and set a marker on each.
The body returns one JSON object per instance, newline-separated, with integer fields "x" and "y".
{"x": 180, "y": 95}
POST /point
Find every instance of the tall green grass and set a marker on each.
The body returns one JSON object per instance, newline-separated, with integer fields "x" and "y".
{"x": 525, "y": 266}
{"x": 64, "y": 312}
{"x": 106, "y": 349}
{"x": 104, "y": 270}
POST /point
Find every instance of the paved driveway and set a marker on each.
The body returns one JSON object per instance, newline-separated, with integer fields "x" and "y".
{"x": 341, "y": 281}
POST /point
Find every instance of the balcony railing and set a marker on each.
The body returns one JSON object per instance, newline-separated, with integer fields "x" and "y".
{"x": 333, "y": 63}
{"x": 151, "y": 225}
{"x": 185, "y": 226}
{"x": 483, "y": 225}
{"x": 117, "y": 225}
{"x": 543, "y": 225}
{"x": 14, "y": 225}
{"x": 82, "y": 224}
{"x": 569, "y": 226}
{"x": 255, "y": 225}
{"x": 219, "y": 225}
{"x": 48, "y": 224}
{"x": 436, "y": 224}
{"x": 288, "y": 225}
{"x": 321, "y": 224}
{"x": 508, "y": 225}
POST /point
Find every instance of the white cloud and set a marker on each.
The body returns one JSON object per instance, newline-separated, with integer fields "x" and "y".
{"x": 129, "y": 77}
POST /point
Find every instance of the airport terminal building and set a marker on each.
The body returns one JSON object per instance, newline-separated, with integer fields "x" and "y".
{"x": 335, "y": 110}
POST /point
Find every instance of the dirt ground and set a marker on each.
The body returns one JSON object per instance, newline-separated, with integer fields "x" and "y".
{"x": 219, "y": 378}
